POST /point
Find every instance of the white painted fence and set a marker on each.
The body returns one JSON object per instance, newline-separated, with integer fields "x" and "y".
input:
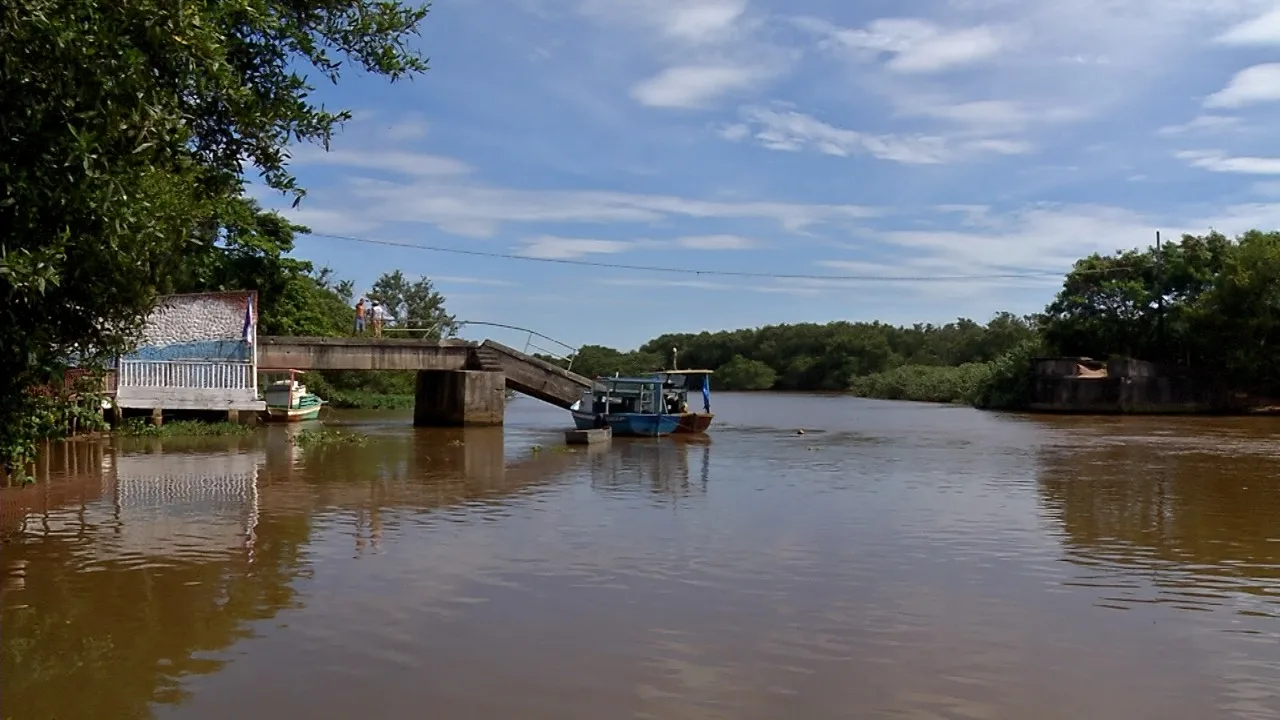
{"x": 187, "y": 385}
{"x": 187, "y": 374}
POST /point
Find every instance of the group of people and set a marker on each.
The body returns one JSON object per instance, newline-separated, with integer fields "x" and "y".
{"x": 374, "y": 315}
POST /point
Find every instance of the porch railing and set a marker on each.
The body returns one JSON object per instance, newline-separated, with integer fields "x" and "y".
{"x": 186, "y": 374}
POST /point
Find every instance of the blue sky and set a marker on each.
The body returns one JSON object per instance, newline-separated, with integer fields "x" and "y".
{"x": 810, "y": 137}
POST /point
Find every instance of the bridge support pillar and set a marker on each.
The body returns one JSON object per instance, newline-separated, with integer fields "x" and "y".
{"x": 454, "y": 398}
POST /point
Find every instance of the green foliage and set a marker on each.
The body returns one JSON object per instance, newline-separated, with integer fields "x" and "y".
{"x": 743, "y": 374}
{"x": 599, "y": 361}
{"x": 1110, "y": 304}
{"x": 1208, "y": 304}
{"x": 415, "y": 305}
{"x": 328, "y": 436}
{"x": 1006, "y": 384}
{"x": 54, "y": 410}
{"x": 140, "y": 427}
{"x": 361, "y": 400}
{"x": 827, "y": 357}
{"x": 924, "y": 383}
{"x": 124, "y": 134}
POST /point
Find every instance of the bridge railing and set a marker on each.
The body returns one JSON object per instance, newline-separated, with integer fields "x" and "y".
{"x": 561, "y": 351}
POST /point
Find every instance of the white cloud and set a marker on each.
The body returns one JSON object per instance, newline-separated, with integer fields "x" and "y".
{"x": 1218, "y": 161}
{"x": 716, "y": 242}
{"x": 707, "y": 49}
{"x": 406, "y": 163}
{"x": 478, "y": 210}
{"x": 981, "y": 113}
{"x": 1256, "y": 84}
{"x": 1044, "y": 239}
{"x": 783, "y": 129}
{"x": 549, "y": 247}
{"x": 693, "y": 86}
{"x": 1202, "y": 124}
{"x": 1001, "y": 147}
{"x": 1261, "y": 30}
{"x": 321, "y": 220}
{"x": 735, "y": 132}
{"x": 781, "y": 286}
{"x": 916, "y": 45}
{"x": 701, "y": 21}
{"x": 463, "y": 280}
{"x": 1024, "y": 66}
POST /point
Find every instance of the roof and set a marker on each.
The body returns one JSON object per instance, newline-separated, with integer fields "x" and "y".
{"x": 687, "y": 372}
{"x": 629, "y": 380}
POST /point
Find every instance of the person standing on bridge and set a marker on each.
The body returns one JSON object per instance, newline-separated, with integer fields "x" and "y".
{"x": 360, "y": 316}
{"x": 379, "y": 314}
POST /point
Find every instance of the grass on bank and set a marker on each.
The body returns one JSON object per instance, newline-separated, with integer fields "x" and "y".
{"x": 361, "y": 400}
{"x": 140, "y": 427}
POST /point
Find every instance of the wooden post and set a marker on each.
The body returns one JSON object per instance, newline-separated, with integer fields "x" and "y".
{"x": 157, "y": 417}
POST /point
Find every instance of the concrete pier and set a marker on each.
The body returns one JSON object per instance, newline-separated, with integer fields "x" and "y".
{"x": 455, "y": 398}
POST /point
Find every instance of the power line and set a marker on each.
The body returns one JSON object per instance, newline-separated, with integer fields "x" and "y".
{"x": 719, "y": 273}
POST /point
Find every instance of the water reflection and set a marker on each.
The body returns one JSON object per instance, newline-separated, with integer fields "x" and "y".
{"x": 1169, "y": 513}
{"x": 905, "y": 561}
{"x": 158, "y": 559}
{"x": 661, "y": 466}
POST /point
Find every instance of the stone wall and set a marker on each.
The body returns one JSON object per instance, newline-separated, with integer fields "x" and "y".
{"x": 1126, "y": 386}
{"x": 202, "y": 326}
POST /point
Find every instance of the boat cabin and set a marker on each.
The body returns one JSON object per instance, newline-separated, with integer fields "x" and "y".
{"x": 285, "y": 392}
{"x": 619, "y": 395}
{"x": 677, "y": 384}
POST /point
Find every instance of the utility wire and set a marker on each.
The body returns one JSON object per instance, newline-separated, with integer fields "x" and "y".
{"x": 720, "y": 273}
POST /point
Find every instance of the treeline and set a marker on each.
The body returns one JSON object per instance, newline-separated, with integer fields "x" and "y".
{"x": 1207, "y": 305}
{"x": 812, "y": 356}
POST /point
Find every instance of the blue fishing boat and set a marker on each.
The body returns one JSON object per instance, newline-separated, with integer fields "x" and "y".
{"x": 629, "y": 407}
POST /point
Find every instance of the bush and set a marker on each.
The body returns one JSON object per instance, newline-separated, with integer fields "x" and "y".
{"x": 923, "y": 383}
{"x": 1007, "y": 385}
{"x": 743, "y": 374}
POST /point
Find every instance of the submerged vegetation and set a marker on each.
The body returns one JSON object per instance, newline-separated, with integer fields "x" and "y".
{"x": 140, "y": 427}
{"x": 327, "y": 436}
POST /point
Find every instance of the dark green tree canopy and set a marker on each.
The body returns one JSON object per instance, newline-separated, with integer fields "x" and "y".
{"x": 126, "y": 130}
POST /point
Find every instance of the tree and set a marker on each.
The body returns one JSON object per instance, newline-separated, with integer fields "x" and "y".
{"x": 743, "y": 374}
{"x": 124, "y": 134}
{"x": 415, "y": 305}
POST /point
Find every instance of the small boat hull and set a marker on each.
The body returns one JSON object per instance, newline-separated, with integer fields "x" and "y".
{"x": 279, "y": 414}
{"x": 629, "y": 424}
{"x": 694, "y": 423}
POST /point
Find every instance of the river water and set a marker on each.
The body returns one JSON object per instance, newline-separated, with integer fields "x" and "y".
{"x": 893, "y": 561}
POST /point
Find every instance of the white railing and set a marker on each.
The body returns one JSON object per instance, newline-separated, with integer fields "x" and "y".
{"x": 529, "y": 342}
{"x": 186, "y": 374}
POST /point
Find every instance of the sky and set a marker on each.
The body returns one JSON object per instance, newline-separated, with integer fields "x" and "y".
{"x": 826, "y": 140}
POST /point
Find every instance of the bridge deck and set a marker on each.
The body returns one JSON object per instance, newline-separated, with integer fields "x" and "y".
{"x": 321, "y": 353}
{"x": 524, "y": 373}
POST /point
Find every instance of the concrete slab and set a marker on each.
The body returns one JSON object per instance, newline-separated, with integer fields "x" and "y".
{"x": 588, "y": 437}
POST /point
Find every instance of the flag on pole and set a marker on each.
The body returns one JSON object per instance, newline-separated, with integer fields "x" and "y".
{"x": 706, "y": 393}
{"x": 248, "y": 333}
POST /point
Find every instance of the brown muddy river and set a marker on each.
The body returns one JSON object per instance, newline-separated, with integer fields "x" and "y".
{"x": 895, "y": 561}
